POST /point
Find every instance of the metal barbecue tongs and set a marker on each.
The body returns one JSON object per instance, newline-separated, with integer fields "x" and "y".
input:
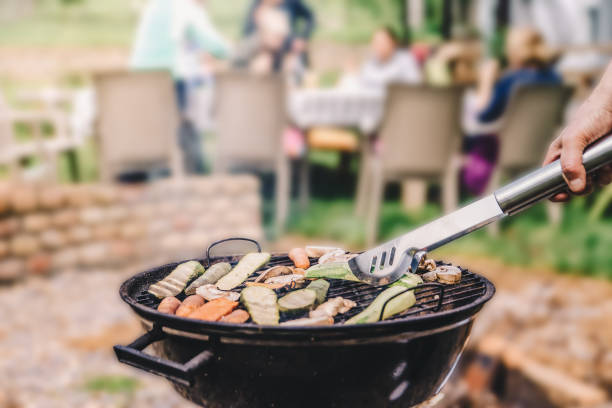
{"x": 390, "y": 261}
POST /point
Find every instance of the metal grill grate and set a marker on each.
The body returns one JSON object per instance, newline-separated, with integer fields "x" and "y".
{"x": 429, "y": 298}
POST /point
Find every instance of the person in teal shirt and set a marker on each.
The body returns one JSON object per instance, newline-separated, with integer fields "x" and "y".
{"x": 174, "y": 35}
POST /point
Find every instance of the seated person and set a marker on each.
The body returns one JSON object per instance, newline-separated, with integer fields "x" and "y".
{"x": 530, "y": 62}
{"x": 387, "y": 64}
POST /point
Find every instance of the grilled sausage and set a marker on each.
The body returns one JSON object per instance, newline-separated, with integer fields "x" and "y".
{"x": 169, "y": 305}
{"x": 190, "y": 304}
{"x": 299, "y": 258}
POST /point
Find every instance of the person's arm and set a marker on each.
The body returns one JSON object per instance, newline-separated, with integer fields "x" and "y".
{"x": 592, "y": 121}
{"x": 498, "y": 100}
{"x": 204, "y": 32}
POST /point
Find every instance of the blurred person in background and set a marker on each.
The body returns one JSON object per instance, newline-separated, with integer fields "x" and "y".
{"x": 262, "y": 51}
{"x": 530, "y": 61}
{"x": 301, "y": 22}
{"x": 387, "y": 64}
{"x": 453, "y": 63}
{"x": 265, "y": 49}
{"x": 178, "y": 36}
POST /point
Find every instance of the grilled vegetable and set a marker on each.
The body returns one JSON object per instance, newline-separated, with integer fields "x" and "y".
{"x": 214, "y": 310}
{"x": 310, "y": 321}
{"x": 409, "y": 280}
{"x": 169, "y": 305}
{"x": 273, "y": 272}
{"x": 237, "y": 316}
{"x": 333, "y": 307}
{"x": 320, "y": 286}
{"x": 210, "y": 292}
{"x": 245, "y": 268}
{"x": 298, "y": 301}
{"x": 189, "y": 305}
{"x": 273, "y": 286}
{"x": 332, "y": 270}
{"x": 431, "y": 276}
{"x": 212, "y": 275}
{"x": 175, "y": 282}
{"x": 339, "y": 255}
{"x": 318, "y": 251}
{"x": 448, "y": 274}
{"x": 261, "y": 304}
{"x": 299, "y": 258}
{"x": 287, "y": 280}
{"x": 372, "y": 313}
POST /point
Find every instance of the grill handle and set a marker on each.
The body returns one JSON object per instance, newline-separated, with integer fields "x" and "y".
{"x": 548, "y": 180}
{"x": 252, "y": 241}
{"x": 133, "y": 355}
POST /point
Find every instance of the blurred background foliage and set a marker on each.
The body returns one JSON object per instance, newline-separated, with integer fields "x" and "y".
{"x": 580, "y": 244}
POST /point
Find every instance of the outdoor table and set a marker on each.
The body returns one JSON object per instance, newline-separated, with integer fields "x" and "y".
{"x": 357, "y": 108}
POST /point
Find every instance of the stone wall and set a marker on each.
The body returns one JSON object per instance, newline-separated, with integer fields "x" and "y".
{"x": 46, "y": 228}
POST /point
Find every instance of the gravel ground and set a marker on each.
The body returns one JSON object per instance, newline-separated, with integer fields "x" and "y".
{"x": 56, "y": 343}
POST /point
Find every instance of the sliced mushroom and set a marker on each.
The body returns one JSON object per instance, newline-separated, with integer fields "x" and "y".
{"x": 448, "y": 274}
{"x": 274, "y": 272}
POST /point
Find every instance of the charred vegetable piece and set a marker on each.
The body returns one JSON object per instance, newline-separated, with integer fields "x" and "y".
{"x": 310, "y": 321}
{"x": 287, "y": 280}
{"x": 431, "y": 276}
{"x": 210, "y": 292}
{"x": 333, "y": 307}
{"x": 372, "y": 313}
{"x": 339, "y": 255}
{"x": 274, "y": 272}
{"x": 273, "y": 286}
{"x": 175, "y": 282}
{"x": 245, "y": 268}
{"x": 261, "y": 304}
{"x": 299, "y": 258}
{"x": 332, "y": 270}
{"x": 299, "y": 301}
{"x": 213, "y": 310}
{"x": 237, "y": 316}
{"x": 448, "y": 274}
{"x": 320, "y": 287}
{"x": 169, "y": 305}
{"x": 409, "y": 280}
{"x": 314, "y": 251}
{"x": 212, "y": 275}
{"x": 189, "y": 305}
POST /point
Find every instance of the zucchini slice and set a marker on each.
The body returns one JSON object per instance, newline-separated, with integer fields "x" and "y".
{"x": 175, "y": 282}
{"x": 245, "y": 268}
{"x": 320, "y": 286}
{"x": 211, "y": 276}
{"x": 400, "y": 303}
{"x": 298, "y": 301}
{"x": 261, "y": 305}
{"x": 332, "y": 270}
{"x": 409, "y": 280}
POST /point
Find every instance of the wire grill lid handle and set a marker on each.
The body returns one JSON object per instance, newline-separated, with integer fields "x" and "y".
{"x": 211, "y": 246}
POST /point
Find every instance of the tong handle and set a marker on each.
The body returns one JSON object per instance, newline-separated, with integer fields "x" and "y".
{"x": 548, "y": 181}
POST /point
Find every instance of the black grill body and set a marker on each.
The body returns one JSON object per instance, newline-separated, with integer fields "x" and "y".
{"x": 397, "y": 362}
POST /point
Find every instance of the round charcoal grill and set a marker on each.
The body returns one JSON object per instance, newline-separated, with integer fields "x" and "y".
{"x": 400, "y": 362}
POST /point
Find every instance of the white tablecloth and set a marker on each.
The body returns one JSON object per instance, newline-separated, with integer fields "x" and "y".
{"x": 362, "y": 109}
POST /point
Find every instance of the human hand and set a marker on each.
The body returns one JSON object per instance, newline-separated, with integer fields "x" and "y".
{"x": 592, "y": 121}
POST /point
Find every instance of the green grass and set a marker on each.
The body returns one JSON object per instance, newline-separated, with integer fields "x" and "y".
{"x": 90, "y": 24}
{"x": 112, "y": 384}
{"x": 577, "y": 245}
